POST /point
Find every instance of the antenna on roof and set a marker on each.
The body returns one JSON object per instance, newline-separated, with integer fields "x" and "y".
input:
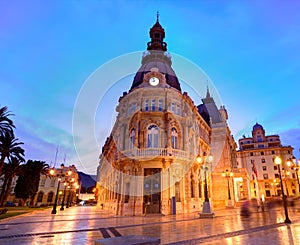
{"x": 56, "y": 156}
{"x": 157, "y": 16}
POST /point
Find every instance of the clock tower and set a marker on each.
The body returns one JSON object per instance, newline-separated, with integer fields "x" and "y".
{"x": 149, "y": 158}
{"x": 156, "y": 69}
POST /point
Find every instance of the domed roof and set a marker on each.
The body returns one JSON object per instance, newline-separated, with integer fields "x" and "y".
{"x": 157, "y": 57}
{"x": 257, "y": 126}
{"x": 162, "y": 66}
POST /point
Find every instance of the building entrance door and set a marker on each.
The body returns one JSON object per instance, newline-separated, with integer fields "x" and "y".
{"x": 152, "y": 190}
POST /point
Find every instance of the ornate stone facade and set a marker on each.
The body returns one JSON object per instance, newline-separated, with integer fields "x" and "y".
{"x": 256, "y": 154}
{"x": 148, "y": 163}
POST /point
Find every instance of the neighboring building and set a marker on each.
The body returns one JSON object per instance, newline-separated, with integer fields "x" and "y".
{"x": 69, "y": 185}
{"x": 257, "y": 154}
{"x": 148, "y": 163}
{"x": 11, "y": 196}
{"x": 48, "y": 187}
{"x": 223, "y": 149}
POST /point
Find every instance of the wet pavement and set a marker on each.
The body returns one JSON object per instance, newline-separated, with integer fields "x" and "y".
{"x": 85, "y": 225}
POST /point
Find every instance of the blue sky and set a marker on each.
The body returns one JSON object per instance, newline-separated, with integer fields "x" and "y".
{"x": 48, "y": 49}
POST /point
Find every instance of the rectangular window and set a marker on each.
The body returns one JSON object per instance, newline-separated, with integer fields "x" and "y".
{"x": 146, "y": 105}
{"x": 277, "y": 176}
{"x": 265, "y": 176}
{"x": 174, "y": 140}
{"x": 251, "y": 154}
{"x": 173, "y": 107}
{"x": 262, "y": 153}
{"x": 264, "y": 168}
{"x": 259, "y": 138}
{"x": 160, "y": 105}
{"x": 152, "y": 105}
{"x": 263, "y": 160}
{"x": 267, "y": 185}
{"x": 178, "y": 110}
{"x": 273, "y": 152}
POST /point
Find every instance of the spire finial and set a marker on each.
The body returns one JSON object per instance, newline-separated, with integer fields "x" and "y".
{"x": 157, "y": 16}
{"x": 207, "y": 91}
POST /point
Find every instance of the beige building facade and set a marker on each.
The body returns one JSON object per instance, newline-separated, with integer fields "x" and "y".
{"x": 257, "y": 154}
{"x": 64, "y": 182}
{"x": 149, "y": 162}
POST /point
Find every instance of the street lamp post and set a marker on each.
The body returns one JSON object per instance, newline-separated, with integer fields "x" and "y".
{"x": 227, "y": 174}
{"x": 63, "y": 200}
{"x": 69, "y": 173}
{"x": 206, "y": 209}
{"x": 55, "y": 202}
{"x": 59, "y": 176}
{"x": 278, "y": 163}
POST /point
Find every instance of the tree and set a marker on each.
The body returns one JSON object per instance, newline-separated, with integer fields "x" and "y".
{"x": 6, "y": 124}
{"x": 28, "y": 183}
{"x": 10, "y": 147}
{"x": 37, "y": 168}
{"x": 22, "y": 188}
{"x": 10, "y": 170}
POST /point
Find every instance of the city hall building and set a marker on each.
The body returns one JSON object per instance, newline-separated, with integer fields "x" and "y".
{"x": 156, "y": 157}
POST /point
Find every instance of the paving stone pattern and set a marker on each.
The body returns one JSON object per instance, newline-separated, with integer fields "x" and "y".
{"x": 85, "y": 225}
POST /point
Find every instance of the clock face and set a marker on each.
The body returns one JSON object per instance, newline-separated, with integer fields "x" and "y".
{"x": 154, "y": 81}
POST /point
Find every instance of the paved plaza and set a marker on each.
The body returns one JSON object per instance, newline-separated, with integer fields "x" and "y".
{"x": 85, "y": 225}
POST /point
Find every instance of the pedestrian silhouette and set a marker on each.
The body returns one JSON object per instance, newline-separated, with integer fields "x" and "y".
{"x": 245, "y": 209}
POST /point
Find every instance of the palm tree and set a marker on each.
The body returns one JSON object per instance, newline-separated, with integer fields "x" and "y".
{"x": 10, "y": 147}
{"x": 10, "y": 170}
{"x": 34, "y": 170}
{"x": 6, "y": 124}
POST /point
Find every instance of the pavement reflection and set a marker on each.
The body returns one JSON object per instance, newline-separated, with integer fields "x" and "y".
{"x": 82, "y": 225}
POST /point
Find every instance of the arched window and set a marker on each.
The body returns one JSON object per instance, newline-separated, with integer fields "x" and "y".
{"x": 40, "y": 196}
{"x": 50, "y": 197}
{"x": 152, "y": 136}
{"x": 131, "y": 139}
{"x": 174, "y": 138}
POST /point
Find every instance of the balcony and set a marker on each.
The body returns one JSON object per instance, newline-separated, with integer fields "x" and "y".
{"x": 149, "y": 153}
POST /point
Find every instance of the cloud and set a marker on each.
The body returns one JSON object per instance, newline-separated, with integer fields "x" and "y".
{"x": 292, "y": 137}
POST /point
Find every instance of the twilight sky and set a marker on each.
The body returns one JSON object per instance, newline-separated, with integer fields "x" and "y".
{"x": 48, "y": 49}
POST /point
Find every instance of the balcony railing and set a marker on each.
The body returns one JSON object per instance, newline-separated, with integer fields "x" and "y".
{"x": 154, "y": 152}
